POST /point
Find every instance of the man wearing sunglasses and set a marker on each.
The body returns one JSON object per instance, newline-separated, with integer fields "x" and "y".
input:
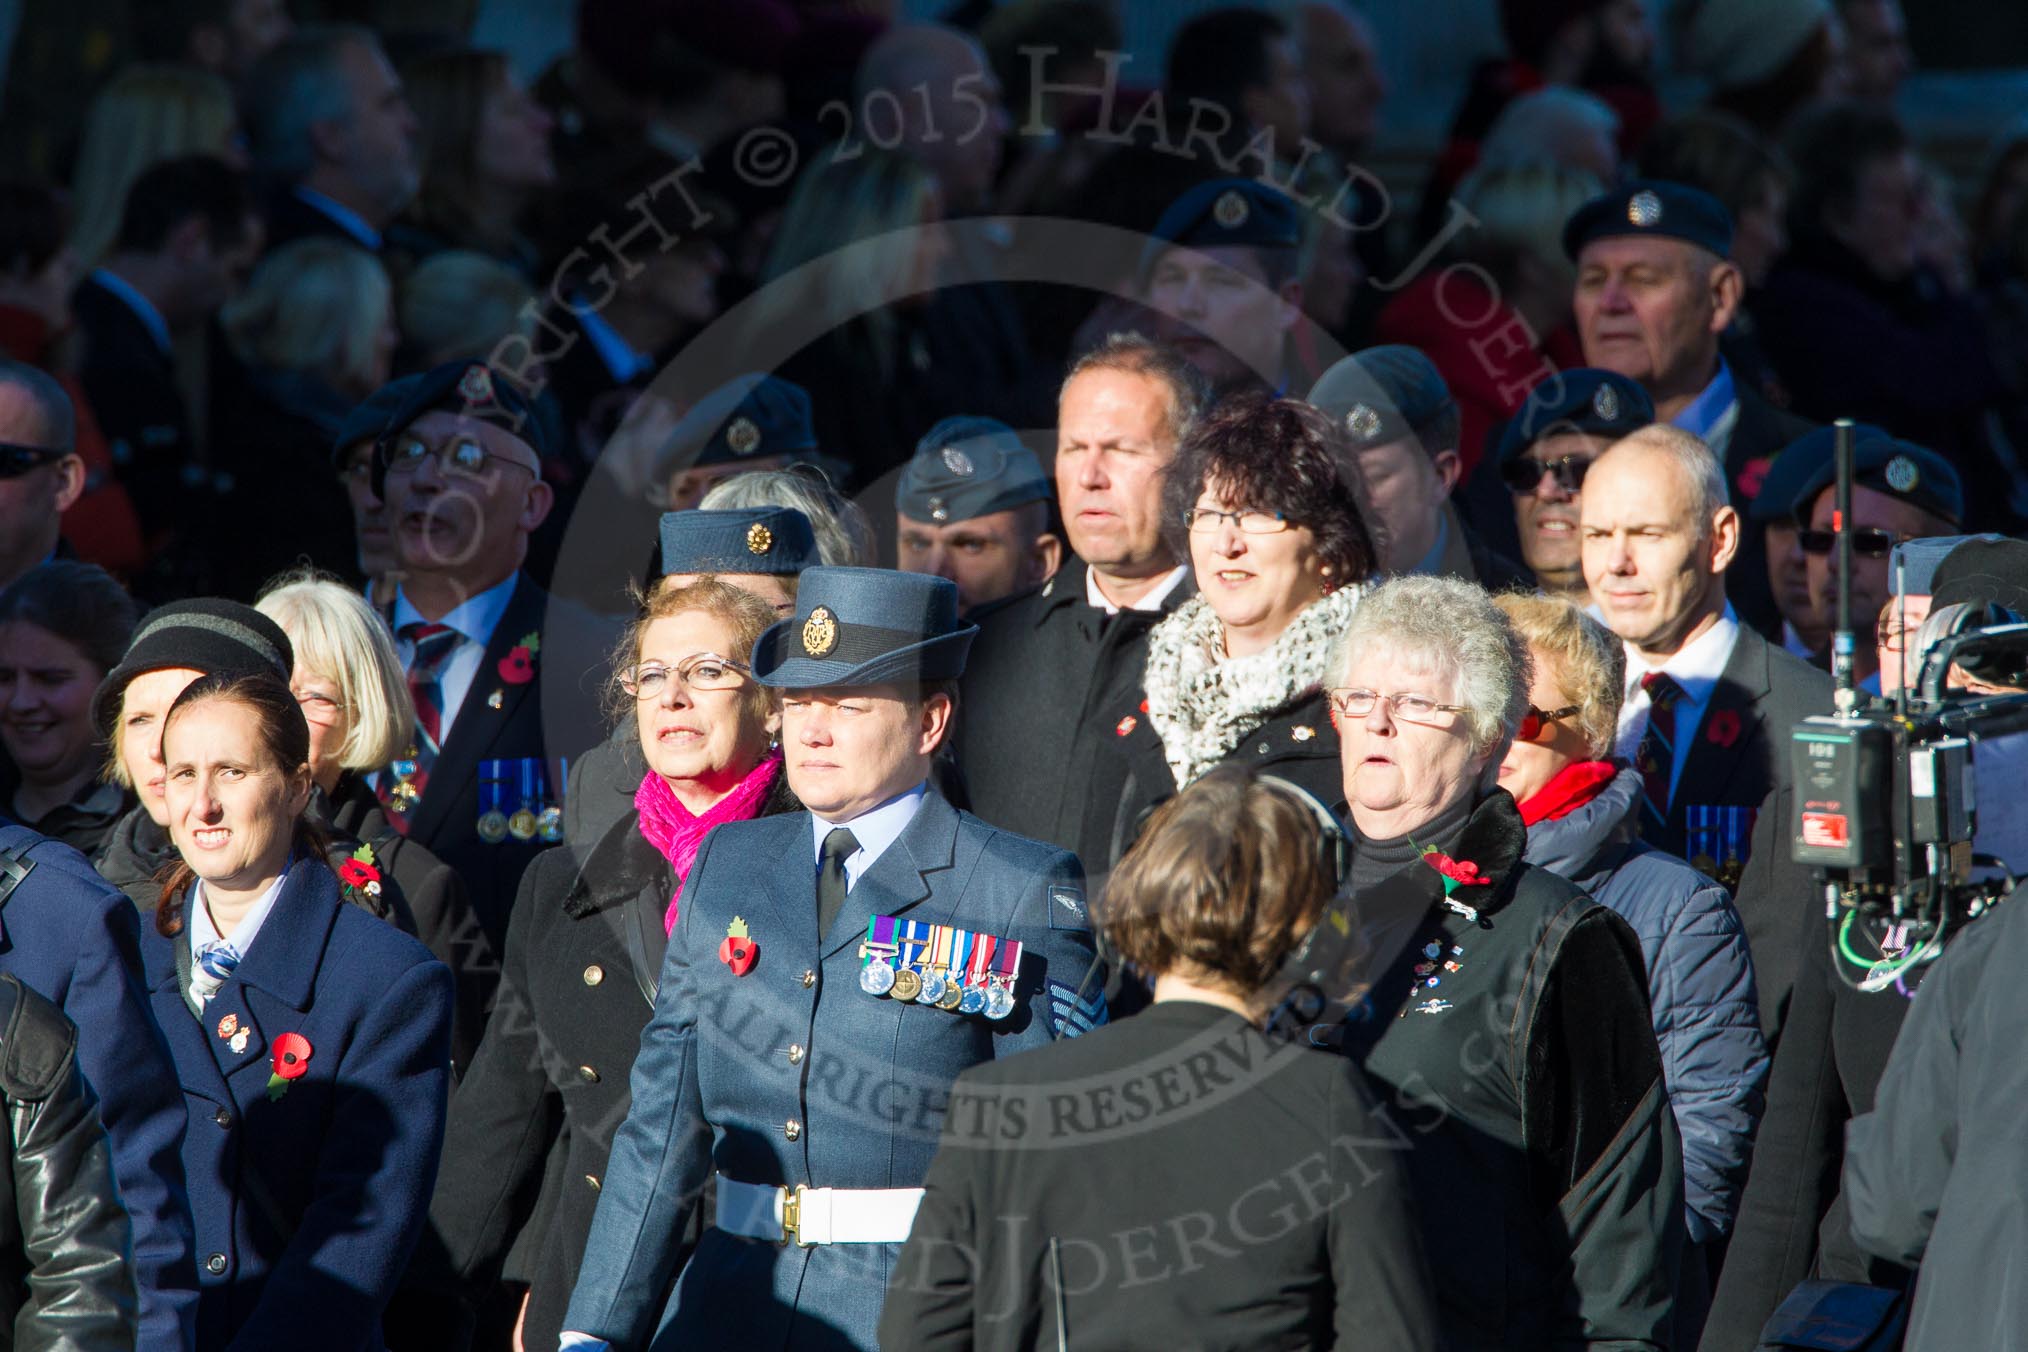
{"x": 41, "y": 474}
{"x": 1566, "y": 423}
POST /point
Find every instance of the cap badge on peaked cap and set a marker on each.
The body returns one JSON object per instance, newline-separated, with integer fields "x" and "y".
{"x": 742, "y": 437}
{"x": 1901, "y": 474}
{"x": 957, "y": 462}
{"x": 820, "y": 632}
{"x": 1605, "y": 401}
{"x": 1363, "y": 422}
{"x": 759, "y": 539}
{"x": 1230, "y": 210}
{"x": 1644, "y": 209}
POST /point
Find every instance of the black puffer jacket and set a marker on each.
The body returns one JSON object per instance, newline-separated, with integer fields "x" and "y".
{"x": 65, "y": 1282}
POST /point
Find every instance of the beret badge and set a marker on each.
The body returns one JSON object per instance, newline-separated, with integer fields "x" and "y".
{"x": 1605, "y": 402}
{"x": 1230, "y": 210}
{"x": 759, "y": 539}
{"x": 957, "y": 462}
{"x": 820, "y": 632}
{"x": 742, "y": 436}
{"x": 1901, "y": 474}
{"x": 476, "y": 385}
{"x": 939, "y": 510}
{"x": 1644, "y": 209}
{"x": 1363, "y": 422}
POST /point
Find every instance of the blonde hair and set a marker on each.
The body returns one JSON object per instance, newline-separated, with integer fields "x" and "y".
{"x": 315, "y": 306}
{"x": 337, "y": 635}
{"x": 1520, "y": 209}
{"x": 1585, "y": 659}
{"x": 460, "y": 304}
{"x": 147, "y": 114}
{"x": 744, "y": 613}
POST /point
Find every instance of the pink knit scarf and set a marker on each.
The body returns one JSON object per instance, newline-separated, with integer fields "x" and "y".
{"x": 674, "y": 830}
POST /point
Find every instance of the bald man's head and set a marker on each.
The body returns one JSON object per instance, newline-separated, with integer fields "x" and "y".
{"x": 1656, "y": 534}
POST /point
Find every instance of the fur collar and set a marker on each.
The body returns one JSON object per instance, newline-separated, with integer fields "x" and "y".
{"x": 1202, "y": 708}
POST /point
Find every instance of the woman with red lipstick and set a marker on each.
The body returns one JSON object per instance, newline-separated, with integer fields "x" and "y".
{"x": 1281, "y": 554}
{"x": 584, "y": 955}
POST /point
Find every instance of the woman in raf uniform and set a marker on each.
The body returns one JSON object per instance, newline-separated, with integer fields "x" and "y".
{"x": 311, "y": 1040}
{"x": 1025, "y": 1200}
{"x": 584, "y": 953}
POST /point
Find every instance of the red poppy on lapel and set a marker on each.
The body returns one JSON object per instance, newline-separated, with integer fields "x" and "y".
{"x": 356, "y": 872}
{"x": 1752, "y": 473}
{"x": 1723, "y": 728}
{"x": 518, "y": 666}
{"x": 290, "y": 1057}
{"x": 1460, "y": 871}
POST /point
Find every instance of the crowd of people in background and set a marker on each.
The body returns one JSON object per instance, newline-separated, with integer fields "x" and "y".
{"x": 709, "y": 698}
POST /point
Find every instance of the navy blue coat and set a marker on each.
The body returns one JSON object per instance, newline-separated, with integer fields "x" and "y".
{"x": 792, "y": 1074}
{"x": 72, "y": 938}
{"x": 1700, "y": 987}
{"x": 307, "y": 1206}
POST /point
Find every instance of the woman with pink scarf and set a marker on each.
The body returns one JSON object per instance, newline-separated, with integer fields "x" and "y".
{"x": 533, "y": 1121}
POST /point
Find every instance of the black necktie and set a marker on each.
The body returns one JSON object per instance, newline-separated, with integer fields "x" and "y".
{"x": 831, "y": 886}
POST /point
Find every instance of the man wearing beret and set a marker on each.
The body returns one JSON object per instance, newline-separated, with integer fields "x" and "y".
{"x": 830, "y": 973}
{"x": 1222, "y": 275}
{"x": 1655, "y": 291}
{"x": 352, "y": 456}
{"x": 1401, "y": 424}
{"x": 1806, "y": 630}
{"x": 972, "y": 505}
{"x": 1566, "y": 422}
{"x": 751, "y": 422}
{"x": 459, "y": 466}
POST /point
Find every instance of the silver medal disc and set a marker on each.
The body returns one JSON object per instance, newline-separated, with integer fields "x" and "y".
{"x": 973, "y": 1001}
{"x": 877, "y": 977}
{"x": 934, "y": 984}
{"x": 999, "y": 1002}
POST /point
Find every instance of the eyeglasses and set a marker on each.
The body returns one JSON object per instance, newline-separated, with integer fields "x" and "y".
{"x": 461, "y": 456}
{"x": 1524, "y": 475}
{"x": 1409, "y": 708}
{"x": 319, "y": 708}
{"x": 1532, "y": 722}
{"x": 1250, "y": 521}
{"x": 704, "y": 671}
{"x": 17, "y": 460}
{"x": 1868, "y": 542}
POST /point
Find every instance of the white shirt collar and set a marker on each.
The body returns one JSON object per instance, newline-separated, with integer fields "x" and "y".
{"x": 474, "y": 618}
{"x": 203, "y": 931}
{"x": 875, "y": 830}
{"x": 344, "y": 217}
{"x": 143, "y": 308}
{"x": 1697, "y": 665}
{"x": 1151, "y": 602}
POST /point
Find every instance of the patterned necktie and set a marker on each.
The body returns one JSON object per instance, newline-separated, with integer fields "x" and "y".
{"x": 839, "y": 846}
{"x": 1656, "y": 757}
{"x": 212, "y": 969}
{"x": 432, "y": 646}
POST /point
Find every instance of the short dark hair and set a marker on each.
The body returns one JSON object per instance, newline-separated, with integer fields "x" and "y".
{"x": 79, "y": 603}
{"x": 170, "y": 193}
{"x": 1719, "y": 153}
{"x": 1277, "y": 455}
{"x": 1832, "y": 147}
{"x": 1226, "y": 880}
{"x": 33, "y": 224}
{"x": 1220, "y": 55}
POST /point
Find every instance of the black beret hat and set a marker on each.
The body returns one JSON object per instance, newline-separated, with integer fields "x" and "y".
{"x": 1900, "y": 469}
{"x": 773, "y": 540}
{"x": 756, "y": 417}
{"x": 1655, "y": 208}
{"x": 208, "y": 634}
{"x": 967, "y": 467}
{"x": 473, "y": 389}
{"x": 1382, "y": 395}
{"x": 367, "y": 421}
{"x": 1584, "y": 399}
{"x": 1224, "y": 213}
{"x": 1983, "y": 569}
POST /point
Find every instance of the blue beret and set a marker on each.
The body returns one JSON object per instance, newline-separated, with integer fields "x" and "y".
{"x": 966, "y": 467}
{"x": 369, "y": 419}
{"x": 775, "y": 540}
{"x": 1583, "y": 399}
{"x": 1900, "y": 469}
{"x": 1383, "y": 394}
{"x": 1800, "y": 461}
{"x": 753, "y": 417}
{"x": 1224, "y": 213}
{"x": 473, "y": 389}
{"x": 1656, "y": 208}
{"x": 865, "y": 626}
{"x": 1913, "y": 564}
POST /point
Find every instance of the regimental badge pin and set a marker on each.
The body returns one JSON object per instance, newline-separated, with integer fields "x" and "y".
{"x": 820, "y": 632}
{"x": 1363, "y": 422}
{"x": 1302, "y": 732}
{"x": 759, "y": 539}
{"x": 957, "y": 462}
{"x": 1605, "y": 402}
{"x": 228, "y": 1025}
{"x": 1126, "y": 725}
{"x": 1230, "y": 210}
{"x": 476, "y": 385}
{"x": 1433, "y": 1006}
{"x": 1644, "y": 209}
{"x": 738, "y": 951}
{"x": 742, "y": 437}
{"x": 1901, "y": 474}
{"x": 496, "y": 699}
{"x": 238, "y": 1043}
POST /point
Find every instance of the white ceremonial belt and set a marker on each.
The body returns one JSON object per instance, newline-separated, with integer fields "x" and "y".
{"x": 804, "y": 1215}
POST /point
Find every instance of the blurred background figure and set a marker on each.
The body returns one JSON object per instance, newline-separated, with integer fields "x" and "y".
{"x": 459, "y": 303}
{"x": 1877, "y": 55}
{"x": 1221, "y": 276}
{"x": 484, "y": 147}
{"x": 1767, "y": 61}
{"x": 222, "y": 37}
{"x": 973, "y": 505}
{"x": 144, "y": 115}
{"x": 41, "y": 474}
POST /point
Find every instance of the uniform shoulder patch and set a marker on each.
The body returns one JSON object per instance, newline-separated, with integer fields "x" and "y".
{"x": 1072, "y": 1017}
{"x": 1067, "y": 910}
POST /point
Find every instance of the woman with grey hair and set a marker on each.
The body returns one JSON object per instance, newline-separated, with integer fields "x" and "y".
{"x": 1507, "y": 1012}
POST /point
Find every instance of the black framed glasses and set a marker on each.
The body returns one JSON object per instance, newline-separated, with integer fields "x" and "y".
{"x": 1524, "y": 474}
{"x": 1868, "y": 542}
{"x": 17, "y": 460}
{"x": 1536, "y": 719}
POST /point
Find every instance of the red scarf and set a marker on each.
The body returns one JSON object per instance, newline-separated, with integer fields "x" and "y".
{"x": 1574, "y": 785}
{"x": 677, "y": 832}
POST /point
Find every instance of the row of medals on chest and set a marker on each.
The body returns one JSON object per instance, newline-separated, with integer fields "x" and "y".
{"x": 933, "y": 983}
{"x": 525, "y": 823}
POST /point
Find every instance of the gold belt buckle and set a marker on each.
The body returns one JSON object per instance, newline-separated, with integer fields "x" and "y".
{"x": 792, "y": 1215}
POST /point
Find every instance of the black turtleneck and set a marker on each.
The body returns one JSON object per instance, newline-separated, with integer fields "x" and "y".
{"x": 1374, "y": 861}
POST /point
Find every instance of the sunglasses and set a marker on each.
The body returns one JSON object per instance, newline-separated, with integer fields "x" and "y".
{"x": 17, "y": 460}
{"x": 1868, "y": 542}
{"x": 1533, "y": 721}
{"x": 1524, "y": 475}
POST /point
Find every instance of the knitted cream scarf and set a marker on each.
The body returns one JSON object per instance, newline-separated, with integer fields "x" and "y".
{"x": 1202, "y": 707}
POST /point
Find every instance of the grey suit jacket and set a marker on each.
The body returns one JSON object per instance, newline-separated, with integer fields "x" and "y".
{"x": 729, "y": 1062}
